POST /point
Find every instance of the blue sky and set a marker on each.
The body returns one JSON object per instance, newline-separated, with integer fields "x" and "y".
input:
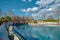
{"x": 38, "y": 9}
{"x": 5, "y": 5}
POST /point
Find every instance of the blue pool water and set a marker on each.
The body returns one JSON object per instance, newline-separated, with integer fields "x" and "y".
{"x": 39, "y": 32}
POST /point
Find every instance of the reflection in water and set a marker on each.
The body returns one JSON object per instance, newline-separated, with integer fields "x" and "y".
{"x": 39, "y": 32}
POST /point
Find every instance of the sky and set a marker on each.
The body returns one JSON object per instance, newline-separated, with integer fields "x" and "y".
{"x": 38, "y": 9}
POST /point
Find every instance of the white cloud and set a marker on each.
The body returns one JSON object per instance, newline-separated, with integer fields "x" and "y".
{"x": 43, "y": 13}
{"x": 57, "y": 1}
{"x": 34, "y": 9}
{"x": 30, "y": 9}
{"x": 34, "y": 15}
{"x": 40, "y": 12}
{"x": 50, "y": 9}
{"x": 44, "y": 2}
{"x": 26, "y": 10}
{"x": 55, "y": 6}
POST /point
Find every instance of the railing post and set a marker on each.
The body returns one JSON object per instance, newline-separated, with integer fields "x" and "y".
{"x": 15, "y": 37}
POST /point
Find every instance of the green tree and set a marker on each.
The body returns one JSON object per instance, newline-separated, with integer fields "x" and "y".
{"x": 8, "y": 17}
{"x": 1, "y": 19}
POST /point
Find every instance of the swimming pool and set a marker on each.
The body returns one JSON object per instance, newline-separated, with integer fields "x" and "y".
{"x": 39, "y": 32}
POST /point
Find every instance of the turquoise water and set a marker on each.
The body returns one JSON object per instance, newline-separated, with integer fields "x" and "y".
{"x": 39, "y": 32}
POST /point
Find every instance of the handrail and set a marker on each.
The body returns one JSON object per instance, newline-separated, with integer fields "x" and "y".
{"x": 20, "y": 35}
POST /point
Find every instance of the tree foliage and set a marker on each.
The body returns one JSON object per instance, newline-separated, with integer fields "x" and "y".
{"x": 8, "y": 17}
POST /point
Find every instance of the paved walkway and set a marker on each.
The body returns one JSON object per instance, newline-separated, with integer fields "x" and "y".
{"x": 3, "y": 33}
